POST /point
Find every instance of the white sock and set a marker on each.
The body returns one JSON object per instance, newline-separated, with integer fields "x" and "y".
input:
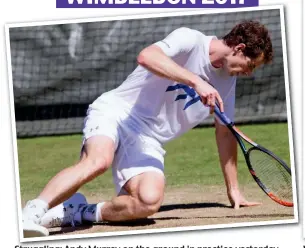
{"x": 92, "y": 212}
{"x": 38, "y": 204}
{"x": 41, "y": 203}
{"x": 99, "y": 207}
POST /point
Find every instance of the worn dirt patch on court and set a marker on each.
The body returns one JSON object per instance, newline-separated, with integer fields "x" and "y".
{"x": 193, "y": 206}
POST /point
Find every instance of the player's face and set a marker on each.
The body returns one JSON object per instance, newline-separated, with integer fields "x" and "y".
{"x": 238, "y": 64}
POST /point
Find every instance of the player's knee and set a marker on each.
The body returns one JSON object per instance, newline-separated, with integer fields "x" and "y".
{"x": 94, "y": 166}
{"x": 150, "y": 197}
{"x": 151, "y": 201}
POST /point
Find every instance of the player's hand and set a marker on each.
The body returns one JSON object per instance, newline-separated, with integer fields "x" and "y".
{"x": 237, "y": 200}
{"x": 209, "y": 95}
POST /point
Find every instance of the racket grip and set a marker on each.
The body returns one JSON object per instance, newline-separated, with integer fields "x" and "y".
{"x": 222, "y": 116}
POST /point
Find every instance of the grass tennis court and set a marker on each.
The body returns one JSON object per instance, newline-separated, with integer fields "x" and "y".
{"x": 191, "y": 165}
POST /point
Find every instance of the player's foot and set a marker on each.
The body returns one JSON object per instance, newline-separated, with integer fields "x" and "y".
{"x": 68, "y": 213}
{"x": 31, "y": 215}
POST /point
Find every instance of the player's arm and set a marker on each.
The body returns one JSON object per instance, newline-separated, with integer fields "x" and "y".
{"x": 157, "y": 58}
{"x": 227, "y": 149}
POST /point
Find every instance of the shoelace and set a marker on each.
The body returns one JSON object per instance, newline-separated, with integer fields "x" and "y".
{"x": 57, "y": 222}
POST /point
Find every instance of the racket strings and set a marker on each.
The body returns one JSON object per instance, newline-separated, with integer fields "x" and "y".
{"x": 272, "y": 174}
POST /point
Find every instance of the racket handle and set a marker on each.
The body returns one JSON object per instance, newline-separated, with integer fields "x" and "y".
{"x": 222, "y": 116}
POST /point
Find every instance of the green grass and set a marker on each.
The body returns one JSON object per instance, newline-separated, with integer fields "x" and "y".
{"x": 190, "y": 159}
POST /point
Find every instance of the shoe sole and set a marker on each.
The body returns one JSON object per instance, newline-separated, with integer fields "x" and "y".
{"x": 33, "y": 230}
{"x": 33, "y": 234}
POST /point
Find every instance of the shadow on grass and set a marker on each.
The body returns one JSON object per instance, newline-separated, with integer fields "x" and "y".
{"x": 131, "y": 223}
{"x": 170, "y": 207}
{"x": 249, "y": 216}
{"x": 66, "y": 230}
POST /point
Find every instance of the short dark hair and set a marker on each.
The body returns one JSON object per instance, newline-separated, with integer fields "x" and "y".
{"x": 256, "y": 38}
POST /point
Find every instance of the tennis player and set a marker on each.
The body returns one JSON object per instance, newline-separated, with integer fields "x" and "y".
{"x": 173, "y": 89}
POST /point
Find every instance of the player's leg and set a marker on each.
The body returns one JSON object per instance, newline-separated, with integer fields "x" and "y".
{"x": 138, "y": 169}
{"x": 97, "y": 156}
{"x": 139, "y": 179}
{"x": 101, "y": 140}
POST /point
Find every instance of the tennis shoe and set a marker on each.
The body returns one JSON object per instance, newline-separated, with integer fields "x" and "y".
{"x": 31, "y": 218}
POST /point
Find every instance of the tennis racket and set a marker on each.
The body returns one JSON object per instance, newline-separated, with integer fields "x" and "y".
{"x": 270, "y": 172}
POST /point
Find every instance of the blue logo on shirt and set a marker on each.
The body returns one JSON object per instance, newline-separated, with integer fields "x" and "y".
{"x": 188, "y": 92}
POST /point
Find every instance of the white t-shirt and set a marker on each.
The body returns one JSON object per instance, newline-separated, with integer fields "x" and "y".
{"x": 167, "y": 109}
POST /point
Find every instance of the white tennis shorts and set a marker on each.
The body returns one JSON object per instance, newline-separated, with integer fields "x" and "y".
{"x": 135, "y": 152}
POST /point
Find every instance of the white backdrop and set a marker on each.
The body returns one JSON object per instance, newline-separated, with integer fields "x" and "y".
{"x": 279, "y": 235}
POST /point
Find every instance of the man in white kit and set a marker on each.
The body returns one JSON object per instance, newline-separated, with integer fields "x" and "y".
{"x": 174, "y": 88}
